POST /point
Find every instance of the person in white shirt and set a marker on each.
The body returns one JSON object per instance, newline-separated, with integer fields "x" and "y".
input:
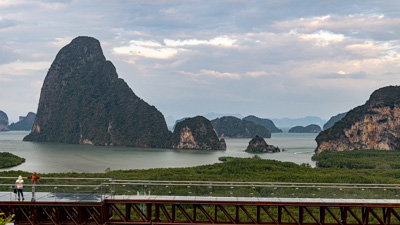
{"x": 19, "y": 185}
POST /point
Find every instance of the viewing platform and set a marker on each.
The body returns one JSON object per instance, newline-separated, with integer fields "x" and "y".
{"x": 197, "y": 202}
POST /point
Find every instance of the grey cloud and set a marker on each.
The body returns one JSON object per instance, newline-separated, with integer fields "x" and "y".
{"x": 5, "y": 23}
{"x": 7, "y": 55}
{"x": 359, "y": 75}
{"x": 262, "y": 29}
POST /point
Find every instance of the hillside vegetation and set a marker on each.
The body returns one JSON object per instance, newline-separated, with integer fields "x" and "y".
{"x": 247, "y": 170}
{"x": 359, "y": 159}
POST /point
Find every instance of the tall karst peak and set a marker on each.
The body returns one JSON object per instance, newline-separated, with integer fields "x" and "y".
{"x": 374, "y": 125}
{"x": 83, "y": 101}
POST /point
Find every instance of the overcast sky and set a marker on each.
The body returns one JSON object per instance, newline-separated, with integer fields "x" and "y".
{"x": 272, "y": 59}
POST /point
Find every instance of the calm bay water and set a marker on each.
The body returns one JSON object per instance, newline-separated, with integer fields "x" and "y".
{"x": 53, "y": 157}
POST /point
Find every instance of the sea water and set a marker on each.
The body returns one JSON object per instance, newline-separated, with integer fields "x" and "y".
{"x": 55, "y": 157}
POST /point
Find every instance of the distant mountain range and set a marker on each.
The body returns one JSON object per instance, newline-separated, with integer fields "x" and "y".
{"x": 305, "y": 121}
{"x": 279, "y": 122}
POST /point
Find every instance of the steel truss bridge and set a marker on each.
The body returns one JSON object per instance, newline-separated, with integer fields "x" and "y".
{"x": 205, "y": 210}
{"x": 115, "y": 208}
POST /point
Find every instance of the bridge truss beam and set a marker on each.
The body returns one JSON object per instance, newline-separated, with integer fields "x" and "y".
{"x": 202, "y": 212}
{"x": 289, "y": 213}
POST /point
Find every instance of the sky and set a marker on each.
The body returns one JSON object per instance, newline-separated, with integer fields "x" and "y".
{"x": 272, "y": 59}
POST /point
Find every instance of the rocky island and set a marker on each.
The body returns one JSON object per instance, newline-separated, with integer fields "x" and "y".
{"x": 196, "y": 133}
{"x": 259, "y": 145}
{"x": 312, "y": 128}
{"x": 3, "y": 121}
{"x": 25, "y": 122}
{"x": 374, "y": 125}
{"x": 267, "y": 123}
{"x": 229, "y": 126}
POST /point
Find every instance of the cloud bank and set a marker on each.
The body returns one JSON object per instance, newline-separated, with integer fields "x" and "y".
{"x": 272, "y": 59}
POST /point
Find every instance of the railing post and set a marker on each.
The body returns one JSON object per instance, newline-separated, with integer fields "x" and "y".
{"x": 157, "y": 212}
{"x": 58, "y": 215}
{"x": 148, "y": 211}
{"x": 279, "y": 214}
{"x": 112, "y": 187}
{"x": 237, "y": 214}
{"x": 194, "y": 213}
{"x": 343, "y": 214}
{"x": 173, "y": 212}
{"x": 322, "y": 214}
{"x": 301, "y": 214}
{"x": 104, "y": 213}
{"x": 388, "y": 215}
{"x": 128, "y": 211}
{"x": 216, "y": 213}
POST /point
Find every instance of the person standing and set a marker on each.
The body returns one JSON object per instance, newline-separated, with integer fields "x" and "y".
{"x": 19, "y": 185}
{"x": 34, "y": 177}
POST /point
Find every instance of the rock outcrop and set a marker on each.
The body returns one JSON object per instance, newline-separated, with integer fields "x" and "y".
{"x": 229, "y": 126}
{"x": 25, "y": 123}
{"x": 3, "y": 121}
{"x": 83, "y": 101}
{"x": 374, "y": 125}
{"x": 196, "y": 133}
{"x": 333, "y": 120}
{"x": 267, "y": 123}
{"x": 259, "y": 145}
{"x": 312, "y": 128}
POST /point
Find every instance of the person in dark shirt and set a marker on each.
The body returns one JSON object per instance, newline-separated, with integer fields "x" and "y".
{"x": 34, "y": 177}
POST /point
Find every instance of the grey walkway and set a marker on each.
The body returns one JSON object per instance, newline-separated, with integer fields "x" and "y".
{"x": 97, "y": 197}
{"x": 52, "y": 197}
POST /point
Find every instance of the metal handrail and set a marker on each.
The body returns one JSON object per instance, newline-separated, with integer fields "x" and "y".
{"x": 64, "y": 178}
{"x": 219, "y": 183}
{"x": 251, "y": 185}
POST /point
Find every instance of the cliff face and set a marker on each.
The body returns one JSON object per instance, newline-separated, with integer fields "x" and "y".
{"x": 83, "y": 101}
{"x": 196, "y": 133}
{"x": 229, "y": 126}
{"x": 3, "y": 121}
{"x": 375, "y": 125}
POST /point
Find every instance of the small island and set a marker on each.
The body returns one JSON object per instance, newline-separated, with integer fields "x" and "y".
{"x": 8, "y": 160}
{"x": 259, "y": 145}
{"x": 312, "y": 128}
{"x": 229, "y": 126}
{"x": 196, "y": 133}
